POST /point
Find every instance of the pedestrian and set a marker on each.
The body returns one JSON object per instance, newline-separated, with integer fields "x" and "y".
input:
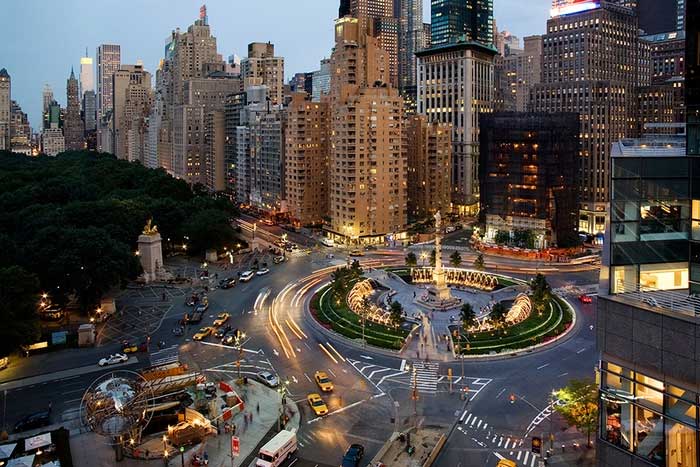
{"x": 257, "y": 408}
{"x": 414, "y": 294}
{"x": 251, "y": 417}
{"x": 163, "y": 296}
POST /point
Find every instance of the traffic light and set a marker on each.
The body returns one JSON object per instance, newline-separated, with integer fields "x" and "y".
{"x": 537, "y": 445}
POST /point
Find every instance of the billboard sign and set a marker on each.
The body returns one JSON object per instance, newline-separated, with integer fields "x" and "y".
{"x": 569, "y": 7}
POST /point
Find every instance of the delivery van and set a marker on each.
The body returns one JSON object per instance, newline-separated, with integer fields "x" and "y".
{"x": 277, "y": 450}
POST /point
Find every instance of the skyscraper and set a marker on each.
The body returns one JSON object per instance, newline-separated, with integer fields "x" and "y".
{"x": 321, "y": 81}
{"x": 108, "y": 62}
{"x": 87, "y": 75}
{"x": 188, "y": 55}
{"x": 602, "y": 89}
{"x": 385, "y": 25}
{"x": 367, "y": 182}
{"x": 461, "y": 20}
{"x": 133, "y": 98}
{"x": 5, "y": 109}
{"x": 429, "y": 161}
{"x": 528, "y": 176}
{"x": 464, "y": 90}
{"x": 306, "y": 159}
{"x": 262, "y": 68}
{"x": 411, "y": 40}
{"x": 46, "y": 98}
{"x": 73, "y": 125}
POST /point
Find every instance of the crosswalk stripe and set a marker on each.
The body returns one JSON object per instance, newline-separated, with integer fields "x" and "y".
{"x": 520, "y": 453}
{"x": 468, "y": 418}
{"x": 473, "y": 422}
{"x": 500, "y": 441}
{"x": 507, "y": 443}
{"x": 527, "y": 454}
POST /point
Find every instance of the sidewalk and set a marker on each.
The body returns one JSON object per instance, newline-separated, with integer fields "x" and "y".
{"x": 91, "y": 449}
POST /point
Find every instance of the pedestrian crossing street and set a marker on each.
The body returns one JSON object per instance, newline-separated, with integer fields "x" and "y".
{"x": 510, "y": 447}
{"x": 427, "y": 377}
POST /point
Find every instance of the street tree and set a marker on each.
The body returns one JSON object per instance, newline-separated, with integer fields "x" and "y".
{"x": 455, "y": 259}
{"x": 479, "y": 262}
{"x": 411, "y": 259}
{"x": 19, "y": 297}
{"x": 498, "y": 314}
{"x": 468, "y": 317}
{"x": 541, "y": 292}
{"x": 579, "y": 405}
{"x": 396, "y": 314}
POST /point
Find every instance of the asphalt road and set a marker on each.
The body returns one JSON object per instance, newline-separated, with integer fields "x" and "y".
{"x": 367, "y": 384}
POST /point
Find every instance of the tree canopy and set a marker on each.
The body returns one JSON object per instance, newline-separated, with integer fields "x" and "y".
{"x": 578, "y": 404}
{"x": 71, "y": 223}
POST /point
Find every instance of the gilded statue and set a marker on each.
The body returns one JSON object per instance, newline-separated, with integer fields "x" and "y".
{"x": 150, "y": 229}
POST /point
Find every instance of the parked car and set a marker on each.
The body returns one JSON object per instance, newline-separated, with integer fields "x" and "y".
{"x": 33, "y": 421}
{"x": 247, "y": 276}
{"x": 203, "y": 333}
{"x": 268, "y": 379}
{"x": 221, "y": 319}
{"x": 278, "y": 259}
{"x": 178, "y": 331}
{"x": 585, "y": 298}
{"x": 353, "y": 456}
{"x": 202, "y": 307}
{"x": 262, "y": 272}
{"x": 227, "y": 283}
{"x": 113, "y": 359}
{"x": 317, "y": 405}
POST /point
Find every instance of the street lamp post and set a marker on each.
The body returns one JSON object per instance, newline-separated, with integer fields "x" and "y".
{"x": 239, "y": 346}
{"x": 283, "y": 391}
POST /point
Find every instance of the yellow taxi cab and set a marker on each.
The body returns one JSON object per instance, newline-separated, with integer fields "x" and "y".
{"x": 203, "y": 333}
{"x": 317, "y": 404}
{"x": 506, "y": 463}
{"x": 323, "y": 381}
{"x": 221, "y": 319}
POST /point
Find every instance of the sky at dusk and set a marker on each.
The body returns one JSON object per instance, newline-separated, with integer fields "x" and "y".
{"x": 41, "y": 39}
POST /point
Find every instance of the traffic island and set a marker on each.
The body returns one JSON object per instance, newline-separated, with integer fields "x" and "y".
{"x": 412, "y": 448}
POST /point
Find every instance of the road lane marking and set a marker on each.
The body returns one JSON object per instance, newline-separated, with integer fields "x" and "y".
{"x": 366, "y": 357}
{"x": 403, "y": 365}
{"x": 543, "y": 366}
{"x": 563, "y": 374}
{"x": 342, "y": 359}
{"x": 307, "y": 377}
{"x": 327, "y": 353}
{"x": 331, "y": 372}
{"x": 582, "y": 350}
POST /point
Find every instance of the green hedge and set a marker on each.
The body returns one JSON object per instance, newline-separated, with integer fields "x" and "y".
{"x": 339, "y": 318}
{"x": 534, "y": 330}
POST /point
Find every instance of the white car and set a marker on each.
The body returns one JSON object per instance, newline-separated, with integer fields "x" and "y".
{"x": 247, "y": 276}
{"x": 268, "y": 379}
{"x": 113, "y": 359}
{"x": 262, "y": 272}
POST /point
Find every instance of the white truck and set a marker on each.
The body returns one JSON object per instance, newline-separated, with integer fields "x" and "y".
{"x": 325, "y": 241}
{"x": 277, "y": 450}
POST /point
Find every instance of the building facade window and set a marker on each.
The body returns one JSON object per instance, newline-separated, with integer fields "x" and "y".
{"x": 649, "y": 418}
